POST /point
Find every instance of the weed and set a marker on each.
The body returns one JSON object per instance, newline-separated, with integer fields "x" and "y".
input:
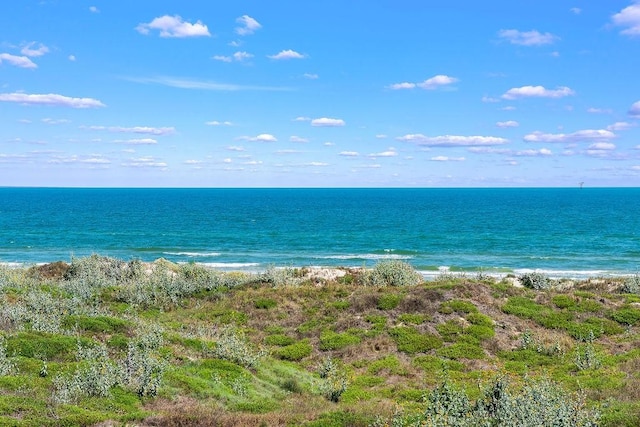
{"x": 279, "y": 340}
{"x": 264, "y": 303}
{"x": 459, "y": 306}
{"x": 295, "y": 352}
{"x": 388, "y": 301}
{"x": 409, "y": 340}
{"x": 7, "y": 367}
{"x": 537, "y": 281}
{"x": 392, "y": 273}
{"x": 631, "y": 285}
{"x": 330, "y": 340}
{"x": 232, "y": 345}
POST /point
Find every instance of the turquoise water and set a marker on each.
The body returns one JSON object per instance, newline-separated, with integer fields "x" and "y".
{"x": 564, "y": 232}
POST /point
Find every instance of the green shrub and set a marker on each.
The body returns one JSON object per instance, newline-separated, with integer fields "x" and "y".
{"x": 330, "y": 340}
{"x": 409, "y": 340}
{"x": 415, "y": 319}
{"x": 388, "y": 363}
{"x": 461, "y": 350}
{"x": 295, "y": 352}
{"x": 341, "y": 305}
{"x": 279, "y": 340}
{"x": 563, "y": 301}
{"x": 98, "y": 324}
{"x": 450, "y": 330}
{"x": 480, "y": 332}
{"x": 265, "y": 303}
{"x": 47, "y": 346}
{"x": 537, "y": 281}
{"x": 388, "y": 301}
{"x": 480, "y": 319}
{"x": 7, "y": 367}
{"x": 459, "y": 306}
{"x": 631, "y": 284}
{"x": 429, "y": 363}
{"x": 392, "y": 273}
{"x": 232, "y": 345}
{"x": 626, "y": 315}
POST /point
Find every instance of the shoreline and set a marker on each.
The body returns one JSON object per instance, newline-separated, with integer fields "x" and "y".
{"x": 331, "y": 272}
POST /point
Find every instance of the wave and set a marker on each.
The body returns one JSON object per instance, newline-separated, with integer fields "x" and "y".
{"x": 372, "y": 256}
{"x": 230, "y": 264}
{"x": 193, "y": 254}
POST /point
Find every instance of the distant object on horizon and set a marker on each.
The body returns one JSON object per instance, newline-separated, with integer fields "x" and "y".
{"x": 581, "y": 184}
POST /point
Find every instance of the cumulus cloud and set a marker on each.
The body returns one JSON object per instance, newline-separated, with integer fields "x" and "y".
{"x": 437, "y": 81}
{"x": 17, "y": 61}
{"x": 593, "y": 110}
{"x": 629, "y": 17}
{"x": 217, "y": 123}
{"x": 447, "y": 159}
{"x": 634, "y": 111}
{"x": 174, "y": 26}
{"x": 327, "y": 122}
{"x": 527, "y": 38}
{"x": 72, "y": 58}
{"x": 248, "y": 25}
{"x": 381, "y": 136}
{"x": 51, "y": 121}
{"x": 389, "y": 153}
{"x": 532, "y": 153}
{"x": 239, "y": 56}
{"x": 432, "y": 83}
{"x": 137, "y": 141}
{"x": 50, "y": 99}
{"x": 602, "y": 146}
{"x": 145, "y": 162}
{"x": 453, "y": 140}
{"x": 295, "y": 138}
{"x": 316, "y": 164}
{"x": 94, "y": 9}
{"x": 579, "y": 136}
{"x": 349, "y": 153}
{"x": 135, "y": 129}
{"x": 537, "y": 92}
{"x": 310, "y": 76}
{"x": 508, "y": 124}
{"x": 620, "y": 126}
{"x": 235, "y": 148}
{"x": 302, "y": 119}
{"x": 263, "y": 137}
{"x": 490, "y": 99}
{"x": 287, "y": 54}
{"x": 30, "y": 50}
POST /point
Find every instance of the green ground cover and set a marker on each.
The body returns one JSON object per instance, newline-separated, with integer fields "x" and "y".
{"x": 102, "y": 341}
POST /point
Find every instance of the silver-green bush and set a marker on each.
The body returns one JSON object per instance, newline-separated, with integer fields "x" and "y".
{"x": 392, "y": 273}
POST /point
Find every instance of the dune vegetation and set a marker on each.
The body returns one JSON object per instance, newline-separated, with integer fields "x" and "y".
{"x": 101, "y": 341}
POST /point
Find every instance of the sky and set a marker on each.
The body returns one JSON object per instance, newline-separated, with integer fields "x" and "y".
{"x": 281, "y": 93}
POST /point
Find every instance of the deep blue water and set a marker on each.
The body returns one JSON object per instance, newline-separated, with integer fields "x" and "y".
{"x": 571, "y": 231}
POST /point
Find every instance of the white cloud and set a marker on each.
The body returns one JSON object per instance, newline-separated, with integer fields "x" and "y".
{"x": 602, "y": 146}
{"x": 295, "y": 138}
{"x": 288, "y": 151}
{"x": 193, "y": 162}
{"x": 437, "y": 81}
{"x": 235, "y": 148}
{"x": 316, "y": 164}
{"x": 489, "y": 99}
{"x": 620, "y": 126}
{"x": 302, "y": 119}
{"x": 263, "y": 137}
{"x": 629, "y": 17}
{"x": 222, "y": 58}
{"x": 17, "y": 61}
{"x": 527, "y": 38}
{"x": 310, "y": 76}
{"x": 174, "y": 26}
{"x": 447, "y": 159}
{"x": 217, "y": 123}
{"x": 432, "y": 83}
{"x": 145, "y": 162}
{"x": 593, "y": 110}
{"x": 29, "y": 50}
{"x": 453, "y": 140}
{"x": 634, "y": 111}
{"x": 50, "y": 99}
{"x": 137, "y": 141}
{"x": 403, "y": 85}
{"x": 381, "y": 136}
{"x": 287, "y": 54}
{"x": 328, "y": 144}
{"x": 185, "y": 83}
{"x": 508, "y": 108}
{"x": 248, "y": 25}
{"x": 51, "y": 121}
{"x": 508, "y": 124}
{"x": 576, "y": 10}
{"x": 327, "y": 122}
{"x": 72, "y": 58}
{"x": 349, "y": 153}
{"x": 579, "y": 136}
{"x": 241, "y": 56}
{"x": 389, "y": 153}
{"x": 538, "y": 92}
{"x": 94, "y": 9}
{"x": 135, "y": 129}
{"x": 532, "y": 153}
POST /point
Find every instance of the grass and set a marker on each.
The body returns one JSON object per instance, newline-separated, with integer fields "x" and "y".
{"x": 186, "y": 345}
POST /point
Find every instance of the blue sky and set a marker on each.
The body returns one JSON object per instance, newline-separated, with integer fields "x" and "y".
{"x": 319, "y": 94}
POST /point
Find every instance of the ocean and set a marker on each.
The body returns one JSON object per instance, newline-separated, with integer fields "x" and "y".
{"x": 563, "y": 232}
